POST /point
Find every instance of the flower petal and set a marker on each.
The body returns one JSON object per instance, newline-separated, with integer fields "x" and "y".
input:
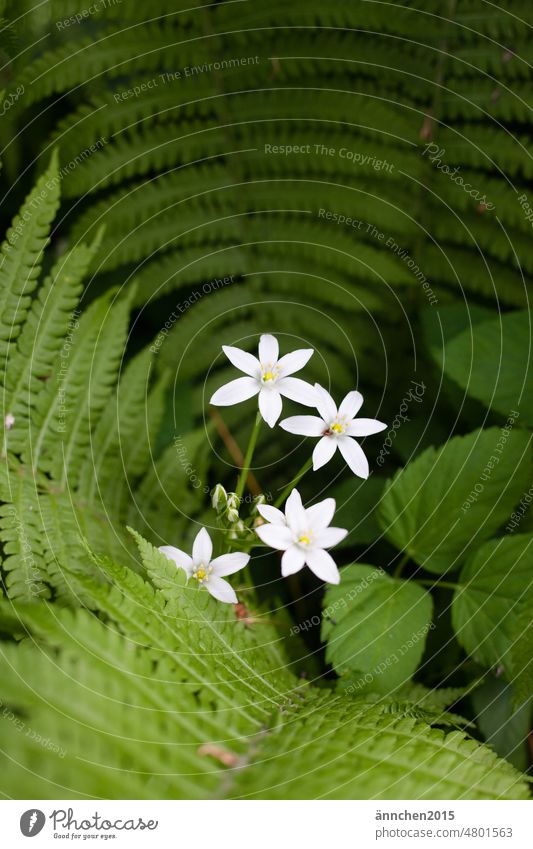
{"x": 292, "y": 561}
{"x": 221, "y": 590}
{"x": 323, "y": 565}
{"x": 295, "y": 512}
{"x": 325, "y": 404}
{"x": 268, "y": 350}
{"x": 320, "y": 515}
{"x": 202, "y": 548}
{"x": 178, "y": 556}
{"x": 351, "y": 405}
{"x": 294, "y": 361}
{"x": 328, "y": 537}
{"x": 304, "y": 425}
{"x": 365, "y": 427}
{"x": 276, "y": 536}
{"x": 354, "y": 456}
{"x": 271, "y": 514}
{"x": 324, "y": 451}
{"x": 270, "y": 405}
{"x": 243, "y": 361}
{"x": 227, "y": 564}
{"x": 235, "y": 391}
{"x": 297, "y": 390}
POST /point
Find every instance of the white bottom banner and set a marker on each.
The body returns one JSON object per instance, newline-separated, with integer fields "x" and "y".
{"x": 262, "y": 825}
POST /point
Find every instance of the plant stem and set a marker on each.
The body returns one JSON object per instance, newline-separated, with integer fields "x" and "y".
{"x": 299, "y": 475}
{"x": 248, "y": 457}
{"x": 233, "y": 449}
{"x": 428, "y": 583}
{"x": 400, "y": 567}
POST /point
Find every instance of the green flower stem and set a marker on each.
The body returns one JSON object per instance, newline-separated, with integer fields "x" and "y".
{"x": 290, "y": 486}
{"x": 249, "y": 454}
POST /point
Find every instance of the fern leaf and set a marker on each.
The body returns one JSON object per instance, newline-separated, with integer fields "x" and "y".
{"x": 22, "y": 252}
{"x": 349, "y": 750}
{"x": 24, "y": 563}
{"x": 42, "y": 337}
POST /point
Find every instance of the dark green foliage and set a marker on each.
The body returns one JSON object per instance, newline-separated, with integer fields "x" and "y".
{"x": 163, "y": 120}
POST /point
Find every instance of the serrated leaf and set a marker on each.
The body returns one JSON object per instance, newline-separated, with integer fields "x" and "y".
{"x": 494, "y": 586}
{"x": 491, "y": 362}
{"x": 21, "y": 253}
{"x": 163, "y": 572}
{"x": 338, "y": 748}
{"x": 452, "y": 498}
{"x": 375, "y": 625}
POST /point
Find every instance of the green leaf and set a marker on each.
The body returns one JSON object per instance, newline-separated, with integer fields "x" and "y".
{"x": 440, "y": 327}
{"x": 522, "y": 657}
{"x": 451, "y": 498}
{"x": 437, "y": 698}
{"x": 375, "y": 625}
{"x": 504, "y": 726}
{"x": 164, "y": 573}
{"x": 490, "y": 361}
{"x": 495, "y": 583}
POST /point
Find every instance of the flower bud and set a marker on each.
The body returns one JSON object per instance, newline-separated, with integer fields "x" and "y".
{"x": 232, "y": 515}
{"x": 234, "y": 501}
{"x": 219, "y": 498}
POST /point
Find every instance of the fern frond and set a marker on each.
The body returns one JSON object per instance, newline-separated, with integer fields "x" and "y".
{"x": 343, "y": 749}
{"x": 78, "y": 389}
{"x": 183, "y": 714}
{"x": 42, "y": 337}
{"x": 114, "y": 54}
{"x": 22, "y": 252}
{"x": 24, "y": 562}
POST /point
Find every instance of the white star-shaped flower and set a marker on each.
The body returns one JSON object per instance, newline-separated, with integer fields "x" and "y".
{"x": 209, "y": 573}
{"x": 268, "y": 376}
{"x": 337, "y": 429}
{"x": 303, "y": 535}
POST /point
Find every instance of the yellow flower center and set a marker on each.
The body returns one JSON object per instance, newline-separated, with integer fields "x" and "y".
{"x": 337, "y": 428}
{"x": 201, "y": 573}
{"x": 304, "y": 540}
{"x": 269, "y": 373}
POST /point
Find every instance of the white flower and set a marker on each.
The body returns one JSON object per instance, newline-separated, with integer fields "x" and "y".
{"x": 209, "y": 573}
{"x": 267, "y": 375}
{"x": 9, "y": 421}
{"x": 337, "y": 429}
{"x": 303, "y": 535}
